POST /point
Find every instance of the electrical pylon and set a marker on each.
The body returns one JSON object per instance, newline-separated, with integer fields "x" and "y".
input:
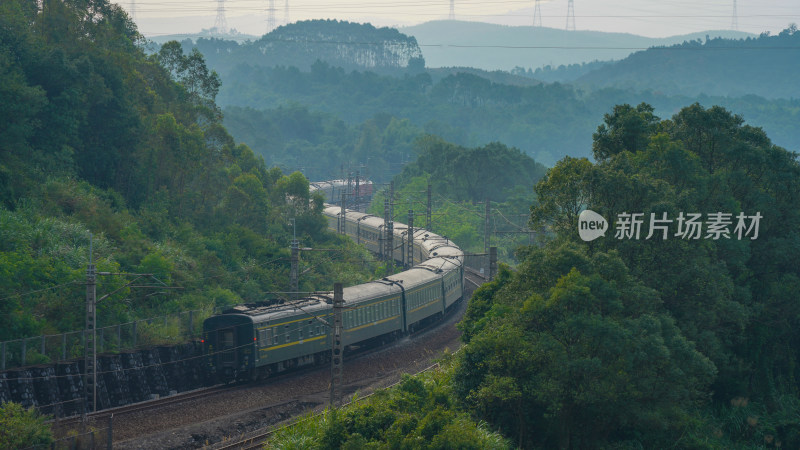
{"x": 452, "y": 15}
{"x": 220, "y": 23}
{"x": 537, "y": 15}
{"x": 735, "y": 18}
{"x": 570, "y": 16}
{"x": 286, "y": 13}
{"x": 133, "y": 10}
{"x": 271, "y": 16}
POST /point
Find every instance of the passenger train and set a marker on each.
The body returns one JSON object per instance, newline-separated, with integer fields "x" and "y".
{"x": 250, "y": 342}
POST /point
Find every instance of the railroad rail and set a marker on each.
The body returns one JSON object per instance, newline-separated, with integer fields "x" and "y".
{"x": 257, "y": 439}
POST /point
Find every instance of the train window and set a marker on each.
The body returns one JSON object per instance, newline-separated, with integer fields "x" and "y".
{"x": 227, "y": 339}
{"x": 300, "y": 332}
{"x": 269, "y": 336}
{"x": 286, "y": 332}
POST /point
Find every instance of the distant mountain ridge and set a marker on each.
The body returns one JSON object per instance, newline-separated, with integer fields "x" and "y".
{"x": 452, "y": 43}
{"x": 767, "y": 66}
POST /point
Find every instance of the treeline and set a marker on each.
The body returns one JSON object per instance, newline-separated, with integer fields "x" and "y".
{"x": 663, "y": 337}
{"x": 546, "y": 121}
{"x": 105, "y": 146}
{"x": 461, "y": 181}
{"x": 352, "y": 46}
{"x": 322, "y": 146}
{"x": 766, "y": 66}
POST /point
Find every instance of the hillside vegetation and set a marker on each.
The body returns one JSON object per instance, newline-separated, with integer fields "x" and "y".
{"x": 105, "y": 146}
{"x": 632, "y": 341}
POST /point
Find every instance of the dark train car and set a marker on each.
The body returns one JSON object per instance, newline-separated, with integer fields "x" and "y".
{"x": 228, "y": 345}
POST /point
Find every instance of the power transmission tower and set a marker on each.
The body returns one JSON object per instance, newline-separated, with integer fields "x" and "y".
{"x": 537, "y": 15}
{"x": 220, "y": 23}
{"x": 286, "y": 13}
{"x": 570, "y": 16}
{"x": 735, "y": 18}
{"x": 452, "y": 15}
{"x": 271, "y": 16}
{"x": 133, "y": 10}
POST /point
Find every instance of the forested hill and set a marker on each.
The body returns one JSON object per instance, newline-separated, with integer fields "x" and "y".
{"x": 767, "y": 66}
{"x": 349, "y": 45}
{"x": 101, "y": 143}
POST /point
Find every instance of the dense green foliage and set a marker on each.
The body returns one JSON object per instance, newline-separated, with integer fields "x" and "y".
{"x": 766, "y": 66}
{"x": 461, "y": 180}
{"x": 21, "y": 428}
{"x": 322, "y": 146}
{"x": 99, "y": 139}
{"x": 649, "y": 342}
{"x": 419, "y": 413}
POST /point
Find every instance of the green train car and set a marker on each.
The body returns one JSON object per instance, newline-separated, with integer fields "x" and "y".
{"x": 250, "y": 342}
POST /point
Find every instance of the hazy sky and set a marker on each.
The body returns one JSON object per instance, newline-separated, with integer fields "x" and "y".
{"x": 653, "y": 18}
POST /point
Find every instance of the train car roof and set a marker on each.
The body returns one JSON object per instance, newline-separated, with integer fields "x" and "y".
{"x": 311, "y": 305}
{"x": 415, "y": 276}
{"x": 368, "y": 291}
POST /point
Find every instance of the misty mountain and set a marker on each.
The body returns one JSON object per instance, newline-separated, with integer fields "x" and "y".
{"x": 447, "y": 43}
{"x": 767, "y": 66}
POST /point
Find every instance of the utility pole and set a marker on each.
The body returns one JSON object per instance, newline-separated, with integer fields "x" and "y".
{"x": 388, "y": 241}
{"x": 486, "y": 227}
{"x": 90, "y": 340}
{"x": 343, "y": 213}
{"x": 295, "y": 259}
{"x": 428, "y": 210}
{"x": 336, "y": 342}
{"x": 358, "y": 190}
{"x": 492, "y": 262}
{"x": 391, "y": 199}
{"x": 410, "y": 240}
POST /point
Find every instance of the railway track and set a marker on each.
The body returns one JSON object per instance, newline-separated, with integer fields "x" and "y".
{"x": 71, "y": 422}
{"x": 473, "y": 277}
{"x": 119, "y": 413}
{"x": 257, "y": 439}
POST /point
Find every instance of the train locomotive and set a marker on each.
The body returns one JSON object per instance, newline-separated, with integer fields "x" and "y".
{"x": 251, "y": 342}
